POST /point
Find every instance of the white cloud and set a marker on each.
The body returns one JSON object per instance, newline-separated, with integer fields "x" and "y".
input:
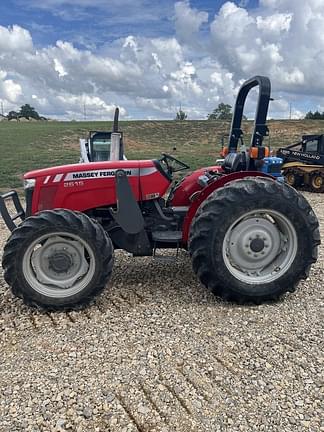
{"x": 188, "y": 21}
{"x": 282, "y": 39}
{"x": 59, "y": 68}
{"x": 275, "y": 23}
{"x": 15, "y": 38}
{"x": 9, "y": 90}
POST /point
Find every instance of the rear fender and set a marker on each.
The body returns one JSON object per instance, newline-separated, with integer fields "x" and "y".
{"x": 220, "y": 182}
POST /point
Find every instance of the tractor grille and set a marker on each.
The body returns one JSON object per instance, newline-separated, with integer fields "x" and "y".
{"x": 29, "y": 200}
{"x": 274, "y": 169}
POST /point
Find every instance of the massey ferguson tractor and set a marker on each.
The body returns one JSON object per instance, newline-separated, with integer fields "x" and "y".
{"x": 251, "y": 238}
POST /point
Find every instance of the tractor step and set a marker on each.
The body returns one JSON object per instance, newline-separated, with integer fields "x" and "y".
{"x": 169, "y": 239}
{"x": 167, "y": 236}
{"x": 165, "y": 258}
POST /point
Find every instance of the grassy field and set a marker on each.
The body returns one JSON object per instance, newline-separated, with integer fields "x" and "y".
{"x": 27, "y": 146}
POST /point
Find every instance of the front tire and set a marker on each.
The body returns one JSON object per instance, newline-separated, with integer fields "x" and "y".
{"x": 253, "y": 240}
{"x": 58, "y": 259}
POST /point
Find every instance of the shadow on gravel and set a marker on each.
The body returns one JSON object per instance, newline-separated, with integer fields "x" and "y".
{"x": 135, "y": 281}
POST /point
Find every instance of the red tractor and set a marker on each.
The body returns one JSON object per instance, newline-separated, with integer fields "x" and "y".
{"x": 251, "y": 238}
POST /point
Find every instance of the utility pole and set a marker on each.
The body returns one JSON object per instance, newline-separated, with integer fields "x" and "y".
{"x": 84, "y": 111}
{"x": 290, "y": 107}
{"x": 2, "y": 111}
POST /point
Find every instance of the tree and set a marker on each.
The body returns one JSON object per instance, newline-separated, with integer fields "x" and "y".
{"x": 28, "y": 112}
{"x": 181, "y": 115}
{"x": 12, "y": 115}
{"x": 314, "y": 115}
{"x": 222, "y": 112}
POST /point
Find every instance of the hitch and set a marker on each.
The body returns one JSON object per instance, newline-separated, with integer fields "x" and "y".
{"x": 20, "y": 212}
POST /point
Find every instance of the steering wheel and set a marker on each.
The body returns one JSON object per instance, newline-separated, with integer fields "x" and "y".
{"x": 170, "y": 160}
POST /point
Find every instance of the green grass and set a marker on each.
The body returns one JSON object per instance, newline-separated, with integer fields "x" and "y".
{"x": 28, "y": 146}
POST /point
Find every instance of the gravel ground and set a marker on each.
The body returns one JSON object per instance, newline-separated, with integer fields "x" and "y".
{"x": 158, "y": 352}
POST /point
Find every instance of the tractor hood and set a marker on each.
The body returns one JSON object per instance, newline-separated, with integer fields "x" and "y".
{"x": 91, "y": 185}
{"x": 86, "y": 170}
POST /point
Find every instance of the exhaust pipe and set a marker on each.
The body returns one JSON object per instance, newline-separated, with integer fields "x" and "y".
{"x": 116, "y": 116}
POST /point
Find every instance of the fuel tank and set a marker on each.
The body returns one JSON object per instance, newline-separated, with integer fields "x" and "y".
{"x": 183, "y": 193}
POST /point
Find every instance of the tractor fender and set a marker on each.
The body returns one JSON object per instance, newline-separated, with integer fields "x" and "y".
{"x": 218, "y": 183}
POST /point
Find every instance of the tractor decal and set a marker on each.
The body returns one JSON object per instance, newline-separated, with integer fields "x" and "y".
{"x": 58, "y": 178}
{"x": 95, "y": 174}
{"x": 88, "y": 175}
{"x": 301, "y": 154}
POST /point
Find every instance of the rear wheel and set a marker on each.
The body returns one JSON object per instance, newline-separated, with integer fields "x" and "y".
{"x": 317, "y": 182}
{"x": 58, "y": 259}
{"x": 254, "y": 240}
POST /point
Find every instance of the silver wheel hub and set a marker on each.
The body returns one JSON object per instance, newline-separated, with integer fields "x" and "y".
{"x": 59, "y": 265}
{"x": 260, "y": 246}
{"x": 253, "y": 243}
{"x": 59, "y": 262}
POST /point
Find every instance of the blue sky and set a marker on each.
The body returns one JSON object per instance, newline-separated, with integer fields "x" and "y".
{"x": 150, "y": 56}
{"x": 97, "y": 24}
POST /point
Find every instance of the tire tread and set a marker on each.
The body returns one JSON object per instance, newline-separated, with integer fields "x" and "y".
{"x": 221, "y": 202}
{"x": 58, "y": 218}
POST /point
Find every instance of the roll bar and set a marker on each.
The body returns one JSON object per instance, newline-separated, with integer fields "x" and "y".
{"x": 260, "y": 127}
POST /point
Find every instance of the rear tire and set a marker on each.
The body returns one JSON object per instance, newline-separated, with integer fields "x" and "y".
{"x": 234, "y": 227}
{"x": 58, "y": 259}
{"x": 317, "y": 182}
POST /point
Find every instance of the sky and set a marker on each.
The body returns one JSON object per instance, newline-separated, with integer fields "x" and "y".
{"x": 76, "y": 59}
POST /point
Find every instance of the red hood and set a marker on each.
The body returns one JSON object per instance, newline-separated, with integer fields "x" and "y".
{"x": 88, "y": 167}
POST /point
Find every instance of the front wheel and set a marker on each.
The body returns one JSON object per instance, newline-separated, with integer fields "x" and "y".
{"x": 58, "y": 259}
{"x": 254, "y": 240}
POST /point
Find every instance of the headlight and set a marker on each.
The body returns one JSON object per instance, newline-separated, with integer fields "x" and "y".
{"x": 29, "y": 183}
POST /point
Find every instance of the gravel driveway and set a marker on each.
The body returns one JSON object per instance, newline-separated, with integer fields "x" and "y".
{"x": 158, "y": 352}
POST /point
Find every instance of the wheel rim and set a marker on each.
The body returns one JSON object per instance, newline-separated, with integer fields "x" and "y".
{"x": 290, "y": 178}
{"x": 58, "y": 265}
{"x": 317, "y": 182}
{"x": 260, "y": 246}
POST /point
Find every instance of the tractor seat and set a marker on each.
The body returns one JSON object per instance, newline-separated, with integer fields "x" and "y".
{"x": 234, "y": 162}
